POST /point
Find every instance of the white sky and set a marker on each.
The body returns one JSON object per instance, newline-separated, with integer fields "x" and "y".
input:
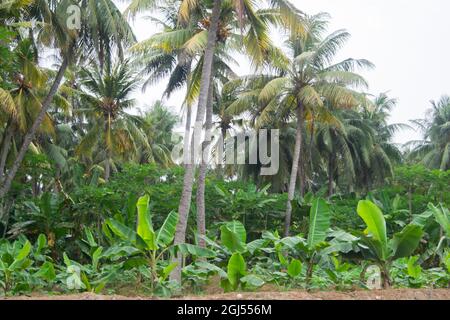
{"x": 407, "y": 40}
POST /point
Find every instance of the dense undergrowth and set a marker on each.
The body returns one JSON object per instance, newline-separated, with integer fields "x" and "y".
{"x": 107, "y": 238}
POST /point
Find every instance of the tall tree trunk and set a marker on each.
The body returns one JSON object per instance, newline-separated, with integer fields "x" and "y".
{"x": 221, "y": 152}
{"x": 301, "y": 176}
{"x": 186, "y": 196}
{"x": 6, "y": 146}
{"x": 294, "y": 171}
{"x": 410, "y": 201}
{"x": 201, "y": 211}
{"x": 35, "y": 127}
{"x": 107, "y": 167}
{"x": 108, "y": 149}
{"x": 331, "y": 169}
{"x": 310, "y": 148}
{"x": 187, "y": 135}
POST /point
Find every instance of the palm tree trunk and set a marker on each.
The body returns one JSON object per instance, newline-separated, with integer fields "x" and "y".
{"x": 35, "y": 127}
{"x": 301, "y": 177}
{"x": 330, "y": 175}
{"x": 222, "y": 162}
{"x": 6, "y": 145}
{"x": 187, "y": 135}
{"x": 310, "y": 147}
{"x": 186, "y": 196}
{"x": 107, "y": 167}
{"x": 294, "y": 171}
{"x": 201, "y": 211}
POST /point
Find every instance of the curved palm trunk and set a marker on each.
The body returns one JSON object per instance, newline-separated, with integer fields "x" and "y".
{"x": 331, "y": 169}
{"x": 37, "y": 123}
{"x": 6, "y": 146}
{"x": 187, "y": 134}
{"x": 107, "y": 167}
{"x": 301, "y": 176}
{"x": 187, "y": 127}
{"x": 201, "y": 211}
{"x": 294, "y": 171}
{"x": 186, "y": 196}
{"x": 108, "y": 149}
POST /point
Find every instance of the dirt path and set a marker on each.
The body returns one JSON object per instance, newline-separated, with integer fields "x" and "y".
{"x": 394, "y": 294}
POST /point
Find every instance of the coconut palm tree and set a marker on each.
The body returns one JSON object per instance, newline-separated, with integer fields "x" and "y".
{"x": 434, "y": 150}
{"x": 384, "y": 152}
{"x": 102, "y": 26}
{"x": 23, "y": 101}
{"x": 157, "y": 126}
{"x": 254, "y": 42}
{"x": 113, "y": 133}
{"x": 307, "y": 79}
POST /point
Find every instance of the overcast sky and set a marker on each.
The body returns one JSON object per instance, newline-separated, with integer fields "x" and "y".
{"x": 407, "y": 40}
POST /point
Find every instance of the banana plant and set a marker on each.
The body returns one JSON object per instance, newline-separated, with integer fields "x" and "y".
{"x": 24, "y": 266}
{"x": 436, "y": 221}
{"x": 378, "y": 248}
{"x": 104, "y": 265}
{"x": 234, "y": 239}
{"x": 232, "y": 251}
{"x": 151, "y": 246}
{"x": 12, "y": 261}
{"x": 311, "y": 250}
{"x": 319, "y": 225}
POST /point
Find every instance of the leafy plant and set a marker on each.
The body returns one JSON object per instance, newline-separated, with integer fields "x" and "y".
{"x": 23, "y": 265}
{"x": 379, "y": 248}
{"x": 151, "y": 246}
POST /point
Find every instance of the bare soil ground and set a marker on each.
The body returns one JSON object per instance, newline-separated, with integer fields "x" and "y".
{"x": 393, "y": 294}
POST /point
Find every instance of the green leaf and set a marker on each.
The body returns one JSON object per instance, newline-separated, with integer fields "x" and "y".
{"x": 135, "y": 263}
{"x": 24, "y": 252}
{"x": 167, "y": 232}
{"x": 196, "y": 251}
{"x": 236, "y": 269}
{"x": 442, "y": 217}
{"x": 90, "y": 238}
{"x": 47, "y": 272}
{"x": 414, "y": 270}
{"x": 144, "y": 227}
{"x": 119, "y": 252}
{"x": 66, "y": 259}
{"x": 319, "y": 222}
{"x": 41, "y": 243}
{"x": 376, "y": 225}
{"x": 294, "y": 268}
{"x": 447, "y": 261}
{"x": 280, "y": 254}
{"x": 238, "y": 229}
{"x": 122, "y": 231}
{"x": 252, "y": 281}
{"x": 211, "y": 267}
{"x": 292, "y": 242}
{"x": 422, "y": 219}
{"x": 99, "y": 288}
{"x": 257, "y": 245}
{"x": 406, "y": 242}
{"x": 231, "y": 240}
{"x": 96, "y": 257}
{"x": 167, "y": 270}
{"x": 86, "y": 281}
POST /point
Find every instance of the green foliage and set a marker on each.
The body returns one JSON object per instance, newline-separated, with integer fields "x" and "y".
{"x": 151, "y": 246}
{"x": 24, "y": 267}
{"x": 402, "y": 245}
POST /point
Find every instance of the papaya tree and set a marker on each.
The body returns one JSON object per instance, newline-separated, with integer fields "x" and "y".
{"x": 376, "y": 245}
